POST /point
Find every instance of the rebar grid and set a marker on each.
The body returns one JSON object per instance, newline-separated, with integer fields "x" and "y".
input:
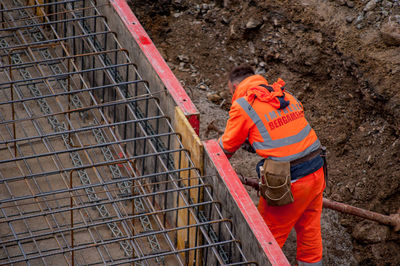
{"x": 91, "y": 169}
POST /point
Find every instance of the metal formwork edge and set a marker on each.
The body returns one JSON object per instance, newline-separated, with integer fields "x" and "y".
{"x": 171, "y": 83}
{"x": 245, "y": 204}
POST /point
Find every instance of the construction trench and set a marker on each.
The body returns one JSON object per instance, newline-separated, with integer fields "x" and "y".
{"x": 100, "y": 159}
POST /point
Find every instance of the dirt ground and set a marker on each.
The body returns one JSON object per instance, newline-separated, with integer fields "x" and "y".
{"x": 340, "y": 58}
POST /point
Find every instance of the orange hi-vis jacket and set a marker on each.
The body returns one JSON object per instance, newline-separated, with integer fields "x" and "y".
{"x": 272, "y": 120}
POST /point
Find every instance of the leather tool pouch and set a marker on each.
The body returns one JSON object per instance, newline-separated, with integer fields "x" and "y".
{"x": 275, "y": 183}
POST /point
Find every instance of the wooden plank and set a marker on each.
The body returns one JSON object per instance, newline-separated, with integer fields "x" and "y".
{"x": 191, "y": 142}
{"x": 38, "y": 11}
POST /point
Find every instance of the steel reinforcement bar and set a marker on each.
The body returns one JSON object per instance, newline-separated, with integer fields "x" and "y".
{"x": 91, "y": 169}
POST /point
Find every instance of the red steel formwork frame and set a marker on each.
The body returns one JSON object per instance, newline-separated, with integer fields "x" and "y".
{"x": 266, "y": 240}
{"x": 243, "y": 201}
{"x": 160, "y": 66}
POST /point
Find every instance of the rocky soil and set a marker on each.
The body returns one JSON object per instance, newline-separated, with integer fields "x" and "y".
{"x": 340, "y": 58}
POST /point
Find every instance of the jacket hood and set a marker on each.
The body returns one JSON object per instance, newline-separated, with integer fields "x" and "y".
{"x": 251, "y": 88}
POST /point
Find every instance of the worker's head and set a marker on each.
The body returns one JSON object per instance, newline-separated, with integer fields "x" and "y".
{"x": 238, "y": 74}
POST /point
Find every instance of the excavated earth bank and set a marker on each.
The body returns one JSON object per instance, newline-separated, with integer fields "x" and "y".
{"x": 340, "y": 58}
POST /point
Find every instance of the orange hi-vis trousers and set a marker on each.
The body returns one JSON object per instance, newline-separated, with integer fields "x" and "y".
{"x": 304, "y": 214}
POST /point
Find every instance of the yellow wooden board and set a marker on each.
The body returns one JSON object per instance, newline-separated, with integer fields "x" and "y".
{"x": 38, "y": 11}
{"x": 190, "y": 141}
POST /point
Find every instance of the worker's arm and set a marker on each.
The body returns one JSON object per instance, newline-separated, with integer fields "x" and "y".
{"x": 236, "y": 131}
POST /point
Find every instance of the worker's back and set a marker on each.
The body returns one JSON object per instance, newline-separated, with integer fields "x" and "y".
{"x": 275, "y": 122}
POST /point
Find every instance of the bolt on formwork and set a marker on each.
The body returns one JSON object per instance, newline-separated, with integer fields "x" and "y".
{"x": 91, "y": 170}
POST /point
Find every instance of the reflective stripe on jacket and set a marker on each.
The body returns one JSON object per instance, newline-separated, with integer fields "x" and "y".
{"x": 275, "y": 131}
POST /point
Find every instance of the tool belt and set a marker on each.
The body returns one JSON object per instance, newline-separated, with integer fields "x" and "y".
{"x": 321, "y": 152}
{"x": 308, "y": 157}
{"x": 275, "y": 185}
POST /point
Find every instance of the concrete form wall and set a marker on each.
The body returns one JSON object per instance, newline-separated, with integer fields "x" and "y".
{"x": 256, "y": 241}
{"x": 149, "y": 62}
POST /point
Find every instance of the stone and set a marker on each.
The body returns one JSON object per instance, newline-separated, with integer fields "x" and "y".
{"x": 371, "y": 16}
{"x": 336, "y": 197}
{"x": 359, "y": 19}
{"x": 341, "y": 138}
{"x": 252, "y": 49}
{"x": 177, "y": 15}
{"x": 387, "y": 4}
{"x": 225, "y": 94}
{"x": 341, "y": 2}
{"x": 395, "y": 18}
{"x": 370, "y": 6}
{"x": 182, "y": 67}
{"x": 204, "y": 7}
{"x": 253, "y": 23}
{"x": 260, "y": 71}
{"x": 390, "y": 33}
{"x": 369, "y": 232}
{"x": 193, "y": 68}
{"x": 183, "y": 58}
{"x": 202, "y": 87}
{"x": 350, "y": 4}
{"x": 317, "y": 37}
{"x": 225, "y": 20}
{"x": 178, "y": 4}
{"x": 214, "y": 97}
{"x": 233, "y": 33}
{"x": 349, "y": 19}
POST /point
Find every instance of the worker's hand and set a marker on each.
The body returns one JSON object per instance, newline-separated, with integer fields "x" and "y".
{"x": 247, "y": 147}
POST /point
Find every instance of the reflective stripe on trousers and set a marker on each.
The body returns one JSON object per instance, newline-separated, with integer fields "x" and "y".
{"x": 301, "y": 263}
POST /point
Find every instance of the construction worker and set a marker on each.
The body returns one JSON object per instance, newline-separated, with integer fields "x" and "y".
{"x": 271, "y": 121}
